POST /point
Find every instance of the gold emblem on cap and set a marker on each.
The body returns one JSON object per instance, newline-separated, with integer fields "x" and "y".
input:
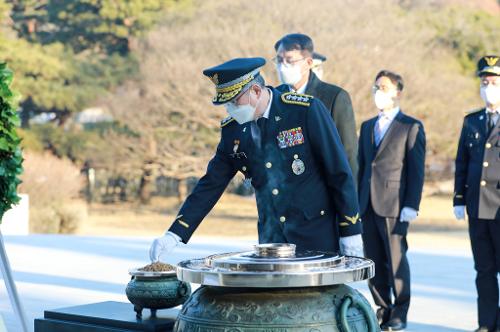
{"x": 215, "y": 79}
{"x": 491, "y": 60}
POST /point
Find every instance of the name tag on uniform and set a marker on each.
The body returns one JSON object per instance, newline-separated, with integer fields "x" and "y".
{"x": 290, "y": 137}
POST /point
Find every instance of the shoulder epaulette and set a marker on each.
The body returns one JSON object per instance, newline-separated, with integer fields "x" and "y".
{"x": 296, "y": 98}
{"x": 474, "y": 111}
{"x": 226, "y": 121}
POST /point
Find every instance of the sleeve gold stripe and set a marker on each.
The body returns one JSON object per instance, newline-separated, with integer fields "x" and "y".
{"x": 183, "y": 223}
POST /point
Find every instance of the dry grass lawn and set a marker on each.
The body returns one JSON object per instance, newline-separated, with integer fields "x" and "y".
{"x": 232, "y": 216}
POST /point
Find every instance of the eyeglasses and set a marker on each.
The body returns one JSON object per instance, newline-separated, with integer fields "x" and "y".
{"x": 279, "y": 60}
{"x": 383, "y": 88}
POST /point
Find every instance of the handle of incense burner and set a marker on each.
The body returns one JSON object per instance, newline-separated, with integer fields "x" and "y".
{"x": 365, "y": 309}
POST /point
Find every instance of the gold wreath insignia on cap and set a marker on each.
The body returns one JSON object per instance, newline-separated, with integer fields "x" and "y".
{"x": 491, "y": 61}
{"x": 215, "y": 79}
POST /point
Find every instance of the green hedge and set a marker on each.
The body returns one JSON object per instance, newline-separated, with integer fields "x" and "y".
{"x": 10, "y": 152}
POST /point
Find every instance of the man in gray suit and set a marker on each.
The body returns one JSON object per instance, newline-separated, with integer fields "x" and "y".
{"x": 390, "y": 182}
{"x": 294, "y": 62}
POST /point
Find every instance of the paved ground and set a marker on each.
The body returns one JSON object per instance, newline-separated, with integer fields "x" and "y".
{"x": 59, "y": 271}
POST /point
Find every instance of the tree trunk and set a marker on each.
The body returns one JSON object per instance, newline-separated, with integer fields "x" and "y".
{"x": 146, "y": 186}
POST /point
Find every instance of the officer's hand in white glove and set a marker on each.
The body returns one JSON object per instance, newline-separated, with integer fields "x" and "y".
{"x": 163, "y": 245}
{"x": 352, "y": 245}
{"x": 459, "y": 211}
{"x": 408, "y": 214}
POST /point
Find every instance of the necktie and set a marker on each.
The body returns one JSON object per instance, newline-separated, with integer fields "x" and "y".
{"x": 493, "y": 119}
{"x": 379, "y": 129}
{"x": 258, "y": 129}
{"x": 261, "y": 122}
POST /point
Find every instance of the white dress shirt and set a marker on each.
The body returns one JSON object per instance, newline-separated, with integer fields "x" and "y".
{"x": 383, "y": 123}
{"x": 300, "y": 90}
{"x": 493, "y": 114}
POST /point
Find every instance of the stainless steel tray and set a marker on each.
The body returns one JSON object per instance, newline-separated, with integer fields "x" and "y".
{"x": 265, "y": 267}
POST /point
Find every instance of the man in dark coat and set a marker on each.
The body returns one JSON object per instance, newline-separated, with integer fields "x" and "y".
{"x": 295, "y": 60}
{"x": 288, "y": 146}
{"x": 477, "y": 189}
{"x": 391, "y": 178}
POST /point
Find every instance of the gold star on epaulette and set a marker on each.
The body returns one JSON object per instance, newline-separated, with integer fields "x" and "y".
{"x": 296, "y": 98}
{"x": 226, "y": 121}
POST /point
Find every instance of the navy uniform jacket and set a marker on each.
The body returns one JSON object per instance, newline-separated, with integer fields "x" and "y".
{"x": 477, "y": 168}
{"x": 293, "y": 206}
{"x": 338, "y": 103}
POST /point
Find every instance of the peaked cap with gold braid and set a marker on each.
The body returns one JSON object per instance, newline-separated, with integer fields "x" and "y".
{"x": 232, "y": 76}
{"x": 489, "y": 65}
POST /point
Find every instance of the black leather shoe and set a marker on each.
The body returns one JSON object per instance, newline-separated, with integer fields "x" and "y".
{"x": 383, "y": 315}
{"x": 394, "y": 325}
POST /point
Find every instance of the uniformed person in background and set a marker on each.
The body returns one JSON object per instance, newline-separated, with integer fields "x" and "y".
{"x": 294, "y": 62}
{"x": 288, "y": 146}
{"x": 477, "y": 190}
{"x": 317, "y": 65}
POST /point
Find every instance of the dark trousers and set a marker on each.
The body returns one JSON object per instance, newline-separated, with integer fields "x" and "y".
{"x": 485, "y": 242}
{"x": 385, "y": 243}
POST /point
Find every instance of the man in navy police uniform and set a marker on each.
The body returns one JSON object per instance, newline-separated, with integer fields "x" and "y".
{"x": 289, "y": 148}
{"x": 477, "y": 190}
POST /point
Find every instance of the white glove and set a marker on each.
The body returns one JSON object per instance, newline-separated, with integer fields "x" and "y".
{"x": 163, "y": 245}
{"x": 352, "y": 245}
{"x": 408, "y": 214}
{"x": 459, "y": 211}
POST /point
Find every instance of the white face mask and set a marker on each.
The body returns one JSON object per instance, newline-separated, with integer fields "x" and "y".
{"x": 491, "y": 94}
{"x": 384, "y": 100}
{"x": 289, "y": 74}
{"x": 241, "y": 113}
